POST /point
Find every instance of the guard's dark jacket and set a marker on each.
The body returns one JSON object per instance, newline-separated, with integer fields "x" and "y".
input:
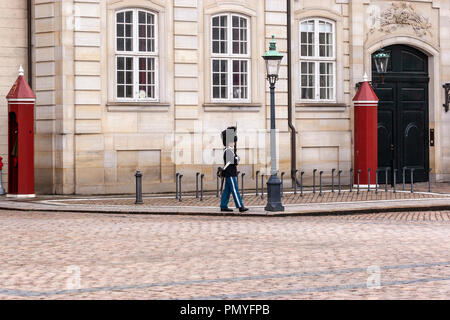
{"x": 230, "y": 161}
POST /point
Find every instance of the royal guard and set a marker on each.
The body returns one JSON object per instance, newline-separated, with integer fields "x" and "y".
{"x": 229, "y": 171}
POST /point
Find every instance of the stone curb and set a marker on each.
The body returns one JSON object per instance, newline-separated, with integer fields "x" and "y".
{"x": 320, "y": 209}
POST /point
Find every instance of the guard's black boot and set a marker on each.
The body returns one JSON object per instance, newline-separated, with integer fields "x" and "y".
{"x": 226, "y": 209}
{"x": 242, "y": 209}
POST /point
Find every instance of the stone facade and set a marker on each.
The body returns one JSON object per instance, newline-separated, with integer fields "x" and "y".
{"x": 13, "y": 53}
{"x": 89, "y": 142}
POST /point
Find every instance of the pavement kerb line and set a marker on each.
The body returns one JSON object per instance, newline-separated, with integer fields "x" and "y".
{"x": 212, "y": 196}
{"x": 48, "y": 202}
{"x": 336, "y": 211}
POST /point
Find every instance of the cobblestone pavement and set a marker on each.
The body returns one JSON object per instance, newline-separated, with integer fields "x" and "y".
{"x": 119, "y": 256}
{"x": 253, "y": 200}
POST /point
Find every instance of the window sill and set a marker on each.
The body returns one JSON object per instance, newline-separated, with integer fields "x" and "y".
{"x": 320, "y": 107}
{"x": 231, "y": 106}
{"x": 137, "y": 106}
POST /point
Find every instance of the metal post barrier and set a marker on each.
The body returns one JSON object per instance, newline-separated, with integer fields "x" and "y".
{"x": 242, "y": 183}
{"x": 282, "y": 184}
{"x": 217, "y": 182}
{"x": 179, "y": 177}
{"x": 196, "y": 184}
{"x": 429, "y": 179}
{"x": 320, "y": 182}
{"x": 395, "y": 180}
{"x": 386, "y": 179}
{"x": 376, "y": 181}
{"x": 2, "y": 190}
{"x": 339, "y": 181}
{"x": 176, "y": 185}
{"x": 368, "y": 179}
{"x": 332, "y": 179}
{"x": 314, "y": 180}
{"x": 262, "y": 186}
{"x": 357, "y": 179}
{"x": 201, "y": 186}
{"x": 138, "y": 176}
{"x": 412, "y": 180}
{"x": 295, "y": 181}
{"x": 403, "y": 174}
{"x": 257, "y": 172}
{"x": 351, "y": 179}
{"x": 301, "y": 183}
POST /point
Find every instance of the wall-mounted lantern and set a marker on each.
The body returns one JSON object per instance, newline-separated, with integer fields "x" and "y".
{"x": 381, "y": 59}
{"x": 381, "y": 62}
{"x": 447, "y": 96}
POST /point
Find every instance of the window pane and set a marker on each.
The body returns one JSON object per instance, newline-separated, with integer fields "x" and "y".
{"x": 239, "y": 34}
{"x": 326, "y": 82}
{"x": 216, "y": 92}
{"x": 146, "y": 32}
{"x": 120, "y": 44}
{"x": 220, "y": 79}
{"x": 124, "y": 33}
{"x": 129, "y": 17}
{"x": 147, "y": 76}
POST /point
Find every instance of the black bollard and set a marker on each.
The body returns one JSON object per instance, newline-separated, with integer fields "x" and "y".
{"x": 217, "y": 181}
{"x": 221, "y": 183}
{"x": 429, "y": 179}
{"x": 242, "y": 183}
{"x": 179, "y": 177}
{"x": 176, "y": 185}
{"x": 357, "y": 179}
{"x": 201, "y": 186}
{"x": 295, "y": 181}
{"x": 339, "y": 181}
{"x": 332, "y": 179}
{"x": 320, "y": 182}
{"x": 412, "y": 180}
{"x": 403, "y": 175}
{"x": 196, "y": 184}
{"x": 376, "y": 181}
{"x": 138, "y": 176}
{"x": 262, "y": 186}
{"x": 314, "y": 180}
{"x": 351, "y": 179}
{"x": 301, "y": 183}
{"x": 282, "y": 184}
{"x": 368, "y": 179}
{"x": 257, "y": 172}
{"x": 386, "y": 177}
{"x": 395, "y": 180}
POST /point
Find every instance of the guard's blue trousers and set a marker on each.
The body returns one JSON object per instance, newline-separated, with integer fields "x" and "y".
{"x": 231, "y": 186}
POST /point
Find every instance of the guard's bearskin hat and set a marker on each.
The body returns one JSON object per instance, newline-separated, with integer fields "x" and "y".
{"x": 229, "y": 135}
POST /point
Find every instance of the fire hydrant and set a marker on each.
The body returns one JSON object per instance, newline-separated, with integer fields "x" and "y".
{"x": 2, "y": 191}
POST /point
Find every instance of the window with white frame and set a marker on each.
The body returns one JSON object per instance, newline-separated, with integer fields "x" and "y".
{"x": 230, "y": 58}
{"x": 136, "y": 55}
{"x": 317, "y": 60}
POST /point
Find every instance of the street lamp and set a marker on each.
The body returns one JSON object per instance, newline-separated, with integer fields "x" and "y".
{"x": 273, "y": 60}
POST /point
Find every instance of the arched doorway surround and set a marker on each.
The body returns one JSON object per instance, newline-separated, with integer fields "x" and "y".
{"x": 434, "y": 92}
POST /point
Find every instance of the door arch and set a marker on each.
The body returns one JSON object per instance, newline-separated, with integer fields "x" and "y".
{"x": 403, "y": 113}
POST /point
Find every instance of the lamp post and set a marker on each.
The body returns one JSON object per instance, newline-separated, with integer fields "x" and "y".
{"x": 272, "y": 59}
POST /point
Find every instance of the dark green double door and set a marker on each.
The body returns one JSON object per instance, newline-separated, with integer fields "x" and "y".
{"x": 403, "y": 114}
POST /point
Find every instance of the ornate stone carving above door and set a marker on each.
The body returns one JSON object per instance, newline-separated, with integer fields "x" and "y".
{"x": 400, "y": 15}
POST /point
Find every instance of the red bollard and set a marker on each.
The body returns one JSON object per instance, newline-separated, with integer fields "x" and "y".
{"x": 365, "y": 126}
